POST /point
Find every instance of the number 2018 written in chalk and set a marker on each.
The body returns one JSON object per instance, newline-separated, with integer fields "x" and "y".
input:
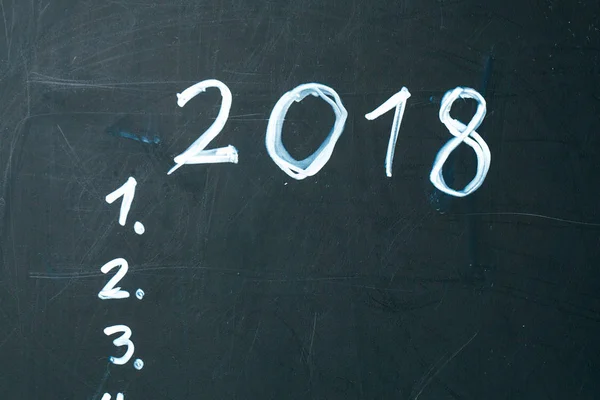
{"x": 197, "y": 153}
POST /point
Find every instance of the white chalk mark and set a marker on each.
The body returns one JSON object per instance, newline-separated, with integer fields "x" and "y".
{"x": 139, "y": 294}
{"x": 109, "y": 291}
{"x": 462, "y": 133}
{"x": 300, "y": 169}
{"x": 195, "y": 154}
{"x": 139, "y": 228}
{"x": 138, "y": 364}
{"x": 397, "y": 101}
{"x": 122, "y": 340}
{"x": 127, "y": 191}
{"x": 107, "y": 396}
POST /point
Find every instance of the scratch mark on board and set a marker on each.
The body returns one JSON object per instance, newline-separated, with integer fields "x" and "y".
{"x": 523, "y": 214}
{"x": 435, "y": 370}
{"x": 7, "y": 36}
{"x": 312, "y": 337}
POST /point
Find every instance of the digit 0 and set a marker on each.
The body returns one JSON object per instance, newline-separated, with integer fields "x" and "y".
{"x": 300, "y": 169}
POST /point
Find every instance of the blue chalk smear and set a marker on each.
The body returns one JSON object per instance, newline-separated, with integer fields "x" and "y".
{"x": 487, "y": 73}
{"x": 128, "y": 135}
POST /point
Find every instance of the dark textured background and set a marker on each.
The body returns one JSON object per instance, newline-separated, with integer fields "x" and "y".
{"x": 347, "y": 285}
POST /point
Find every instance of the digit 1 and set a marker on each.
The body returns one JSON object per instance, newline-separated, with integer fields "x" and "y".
{"x": 127, "y": 191}
{"x": 106, "y": 396}
{"x": 397, "y": 101}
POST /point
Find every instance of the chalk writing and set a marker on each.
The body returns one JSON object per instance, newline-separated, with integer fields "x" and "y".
{"x": 139, "y": 294}
{"x": 300, "y": 169}
{"x": 139, "y": 228}
{"x": 138, "y": 364}
{"x": 127, "y": 191}
{"x": 122, "y": 340}
{"x": 397, "y": 101}
{"x": 107, "y": 396}
{"x": 109, "y": 291}
{"x": 195, "y": 154}
{"x": 462, "y": 133}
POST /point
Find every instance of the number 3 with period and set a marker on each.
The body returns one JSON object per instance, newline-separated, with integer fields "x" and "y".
{"x": 122, "y": 340}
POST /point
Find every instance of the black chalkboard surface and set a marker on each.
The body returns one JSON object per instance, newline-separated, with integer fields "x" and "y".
{"x": 194, "y": 205}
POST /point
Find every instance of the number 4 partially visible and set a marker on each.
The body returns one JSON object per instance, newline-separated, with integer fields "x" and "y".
{"x": 106, "y": 396}
{"x": 196, "y": 153}
{"x": 397, "y": 101}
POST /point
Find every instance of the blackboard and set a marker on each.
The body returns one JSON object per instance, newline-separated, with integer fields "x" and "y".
{"x": 341, "y": 283}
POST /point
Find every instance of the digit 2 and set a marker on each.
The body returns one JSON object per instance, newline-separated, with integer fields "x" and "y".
{"x": 196, "y": 153}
